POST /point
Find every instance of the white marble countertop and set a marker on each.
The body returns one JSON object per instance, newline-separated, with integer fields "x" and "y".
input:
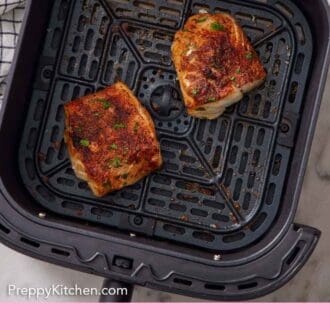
{"x": 311, "y": 284}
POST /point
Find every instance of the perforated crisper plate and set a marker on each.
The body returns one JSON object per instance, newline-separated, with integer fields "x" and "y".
{"x": 222, "y": 181}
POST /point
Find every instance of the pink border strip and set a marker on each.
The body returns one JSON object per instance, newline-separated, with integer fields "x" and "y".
{"x": 205, "y": 316}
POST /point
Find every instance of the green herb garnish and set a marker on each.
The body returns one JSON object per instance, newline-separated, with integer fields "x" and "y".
{"x": 217, "y": 27}
{"x": 119, "y": 125}
{"x": 195, "y": 92}
{"x": 238, "y": 71}
{"x": 84, "y": 142}
{"x": 116, "y": 163}
{"x": 136, "y": 127}
{"x": 211, "y": 99}
{"x": 249, "y": 56}
{"x": 233, "y": 78}
{"x": 201, "y": 19}
{"x": 114, "y": 146}
{"x": 105, "y": 103}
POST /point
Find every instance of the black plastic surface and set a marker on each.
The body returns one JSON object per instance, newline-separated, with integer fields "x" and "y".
{"x": 222, "y": 181}
{"x": 170, "y": 272}
{"x": 124, "y": 292}
{"x": 258, "y": 269}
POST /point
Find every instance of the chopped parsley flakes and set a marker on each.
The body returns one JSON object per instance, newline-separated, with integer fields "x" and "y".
{"x": 84, "y": 142}
{"x": 249, "y": 56}
{"x": 217, "y": 27}
{"x": 195, "y": 92}
{"x": 116, "y": 163}
{"x": 105, "y": 103}
{"x": 201, "y": 19}
{"x": 119, "y": 125}
{"x": 211, "y": 99}
{"x": 136, "y": 127}
{"x": 113, "y": 146}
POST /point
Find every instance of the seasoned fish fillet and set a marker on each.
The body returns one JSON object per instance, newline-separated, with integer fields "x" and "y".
{"x": 215, "y": 63}
{"x": 111, "y": 139}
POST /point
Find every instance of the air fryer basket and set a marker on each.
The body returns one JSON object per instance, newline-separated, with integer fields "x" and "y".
{"x": 216, "y": 221}
{"x": 222, "y": 181}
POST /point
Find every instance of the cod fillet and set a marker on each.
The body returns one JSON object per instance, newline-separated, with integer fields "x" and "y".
{"x": 216, "y": 64}
{"x": 111, "y": 139}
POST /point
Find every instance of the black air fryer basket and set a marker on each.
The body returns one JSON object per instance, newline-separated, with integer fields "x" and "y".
{"x": 216, "y": 221}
